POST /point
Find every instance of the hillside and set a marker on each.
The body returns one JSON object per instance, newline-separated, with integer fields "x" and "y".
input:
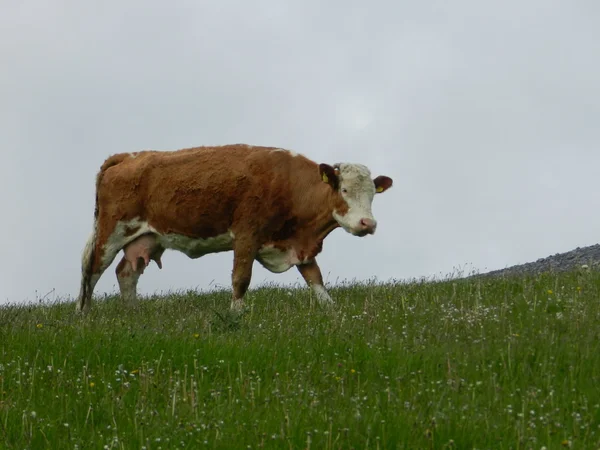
{"x": 495, "y": 362}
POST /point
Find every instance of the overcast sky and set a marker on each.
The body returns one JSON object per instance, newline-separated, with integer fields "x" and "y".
{"x": 485, "y": 114}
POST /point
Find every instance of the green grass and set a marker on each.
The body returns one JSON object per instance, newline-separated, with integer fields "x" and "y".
{"x": 499, "y": 364}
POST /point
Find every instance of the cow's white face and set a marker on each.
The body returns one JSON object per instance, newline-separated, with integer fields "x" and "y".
{"x": 355, "y": 189}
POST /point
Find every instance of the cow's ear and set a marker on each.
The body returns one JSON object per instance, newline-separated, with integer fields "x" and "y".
{"x": 329, "y": 175}
{"x": 382, "y": 183}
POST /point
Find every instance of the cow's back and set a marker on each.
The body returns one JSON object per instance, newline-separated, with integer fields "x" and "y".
{"x": 200, "y": 191}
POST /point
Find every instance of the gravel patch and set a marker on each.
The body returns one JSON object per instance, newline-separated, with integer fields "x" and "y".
{"x": 581, "y": 257}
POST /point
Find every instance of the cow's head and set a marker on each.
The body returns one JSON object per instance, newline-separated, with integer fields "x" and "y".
{"x": 354, "y": 189}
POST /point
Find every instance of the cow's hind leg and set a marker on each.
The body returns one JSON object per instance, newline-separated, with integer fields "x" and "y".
{"x": 128, "y": 280}
{"x": 131, "y": 267}
{"x": 100, "y": 251}
{"x": 88, "y": 278}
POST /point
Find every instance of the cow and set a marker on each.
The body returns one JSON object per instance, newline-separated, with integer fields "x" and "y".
{"x": 265, "y": 204}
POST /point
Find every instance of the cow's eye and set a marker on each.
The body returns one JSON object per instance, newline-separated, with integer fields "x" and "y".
{"x": 344, "y": 190}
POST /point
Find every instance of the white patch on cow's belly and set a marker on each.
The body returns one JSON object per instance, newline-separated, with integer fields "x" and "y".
{"x": 195, "y": 247}
{"x": 276, "y": 260}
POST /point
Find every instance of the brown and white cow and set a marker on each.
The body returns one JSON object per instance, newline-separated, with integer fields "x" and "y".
{"x": 266, "y": 204}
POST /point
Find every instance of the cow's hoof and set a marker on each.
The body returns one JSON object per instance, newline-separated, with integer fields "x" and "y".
{"x": 130, "y": 303}
{"x": 237, "y": 306}
{"x": 237, "y": 314}
{"x": 82, "y": 310}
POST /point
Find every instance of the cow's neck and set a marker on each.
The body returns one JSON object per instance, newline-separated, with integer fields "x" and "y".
{"x": 325, "y": 226}
{"x": 317, "y": 223}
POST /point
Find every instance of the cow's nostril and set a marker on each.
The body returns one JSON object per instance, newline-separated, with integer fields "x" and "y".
{"x": 368, "y": 224}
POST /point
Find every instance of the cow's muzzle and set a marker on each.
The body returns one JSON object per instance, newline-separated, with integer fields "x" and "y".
{"x": 366, "y": 226}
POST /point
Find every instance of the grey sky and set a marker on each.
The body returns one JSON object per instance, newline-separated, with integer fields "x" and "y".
{"x": 485, "y": 114}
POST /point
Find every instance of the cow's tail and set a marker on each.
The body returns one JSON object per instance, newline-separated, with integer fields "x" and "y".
{"x": 89, "y": 251}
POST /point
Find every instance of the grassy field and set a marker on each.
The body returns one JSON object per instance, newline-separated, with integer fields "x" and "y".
{"x": 498, "y": 364}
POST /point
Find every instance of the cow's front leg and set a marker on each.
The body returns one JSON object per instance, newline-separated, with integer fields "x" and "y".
{"x": 312, "y": 275}
{"x": 243, "y": 259}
